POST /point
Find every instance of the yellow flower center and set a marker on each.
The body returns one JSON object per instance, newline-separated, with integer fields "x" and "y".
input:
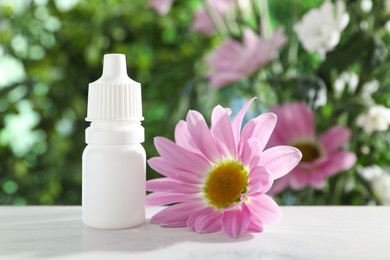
{"x": 225, "y": 184}
{"x": 310, "y": 151}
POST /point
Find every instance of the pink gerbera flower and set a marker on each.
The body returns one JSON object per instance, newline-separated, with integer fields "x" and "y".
{"x": 322, "y": 155}
{"x": 235, "y": 60}
{"x": 218, "y": 176}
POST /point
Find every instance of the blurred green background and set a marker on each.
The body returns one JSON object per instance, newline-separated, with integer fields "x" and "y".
{"x": 51, "y": 49}
{"x": 49, "y": 52}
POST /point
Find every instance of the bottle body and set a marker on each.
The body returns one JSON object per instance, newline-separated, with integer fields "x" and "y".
{"x": 114, "y": 161}
{"x": 113, "y": 193}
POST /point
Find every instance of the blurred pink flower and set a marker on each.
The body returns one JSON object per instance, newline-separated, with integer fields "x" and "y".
{"x": 162, "y": 7}
{"x": 202, "y": 21}
{"x": 218, "y": 176}
{"x": 322, "y": 155}
{"x": 233, "y": 60}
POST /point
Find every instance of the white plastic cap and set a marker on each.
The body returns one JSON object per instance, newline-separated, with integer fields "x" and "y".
{"x": 114, "y": 96}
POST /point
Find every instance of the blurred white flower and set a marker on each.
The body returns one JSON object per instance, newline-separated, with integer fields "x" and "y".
{"x": 369, "y": 173}
{"x": 20, "y": 132}
{"x": 65, "y": 5}
{"x": 387, "y": 10}
{"x": 366, "y": 6}
{"x": 349, "y": 185}
{"x": 14, "y": 6}
{"x": 379, "y": 179}
{"x": 387, "y": 6}
{"x": 11, "y": 70}
{"x": 370, "y": 88}
{"x": 381, "y": 187}
{"x": 377, "y": 118}
{"x": 364, "y": 25}
{"x": 346, "y": 79}
{"x": 320, "y": 28}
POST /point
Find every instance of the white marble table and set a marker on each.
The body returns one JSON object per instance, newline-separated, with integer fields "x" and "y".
{"x": 304, "y": 233}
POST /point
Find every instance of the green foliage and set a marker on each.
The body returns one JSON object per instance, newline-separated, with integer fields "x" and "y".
{"x": 52, "y": 49}
{"x": 61, "y": 53}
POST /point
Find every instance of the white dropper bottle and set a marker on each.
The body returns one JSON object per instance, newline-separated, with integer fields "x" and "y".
{"x": 114, "y": 161}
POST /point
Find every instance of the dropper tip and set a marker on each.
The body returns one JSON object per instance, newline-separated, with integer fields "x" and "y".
{"x": 114, "y": 66}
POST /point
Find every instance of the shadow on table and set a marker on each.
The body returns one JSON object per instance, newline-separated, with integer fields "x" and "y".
{"x": 72, "y": 237}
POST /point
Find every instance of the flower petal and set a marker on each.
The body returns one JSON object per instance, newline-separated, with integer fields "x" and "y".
{"x": 192, "y": 218}
{"x": 171, "y": 185}
{"x": 208, "y": 223}
{"x": 281, "y": 184}
{"x": 260, "y": 180}
{"x": 181, "y": 158}
{"x": 255, "y": 225}
{"x": 177, "y": 212}
{"x": 202, "y": 137}
{"x": 228, "y": 111}
{"x": 251, "y": 151}
{"x": 178, "y": 223}
{"x": 295, "y": 121}
{"x": 280, "y": 160}
{"x": 237, "y": 121}
{"x": 183, "y": 138}
{"x": 336, "y": 163}
{"x": 317, "y": 183}
{"x": 223, "y": 78}
{"x": 304, "y": 119}
{"x": 334, "y": 138}
{"x": 163, "y": 198}
{"x": 260, "y": 128}
{"x": 221, "y": 129}
{"x": 235, "y": 222}
{"x": 264, "y": 209}
{"x": 165, "y": 168}
{"x": 202, "y": 22}
{"x": 299, "y": 178}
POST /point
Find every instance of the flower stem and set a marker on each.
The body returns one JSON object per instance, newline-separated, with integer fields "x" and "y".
{"x": 256, "y": 12}
{"x": 339, "y": 188}
{"x": 266, "y": 29}
{"x": 239, "y": 18}
{"x": 216, "y": 19}
{"x": 293, "y": 46}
